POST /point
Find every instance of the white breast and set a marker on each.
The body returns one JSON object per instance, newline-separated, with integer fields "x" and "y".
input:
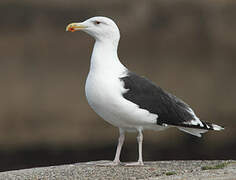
{"x": 104, "y": 95}
{"x": 104, "y": 90}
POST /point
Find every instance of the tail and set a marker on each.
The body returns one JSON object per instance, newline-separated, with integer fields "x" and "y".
{"x": 197, "y": 131}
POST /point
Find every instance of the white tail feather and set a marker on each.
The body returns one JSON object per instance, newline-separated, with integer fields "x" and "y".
{"x": 195, "y": 132}
{"x": 216, "y": 127}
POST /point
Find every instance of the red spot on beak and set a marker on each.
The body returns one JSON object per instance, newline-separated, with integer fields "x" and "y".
{"x": 71, "y": 29}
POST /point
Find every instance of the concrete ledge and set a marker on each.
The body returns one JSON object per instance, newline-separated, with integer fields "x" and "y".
{"x": 218, "y": 169}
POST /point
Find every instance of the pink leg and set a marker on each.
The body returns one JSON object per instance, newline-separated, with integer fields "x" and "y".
{"x": 116, "y": 161}
{"x": 119, "y": 146}
{"x": 140, "y": 158}
{"x": 140, "y": 147}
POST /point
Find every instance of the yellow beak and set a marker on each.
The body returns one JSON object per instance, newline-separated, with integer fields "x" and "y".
{"x": 75, "y": 27}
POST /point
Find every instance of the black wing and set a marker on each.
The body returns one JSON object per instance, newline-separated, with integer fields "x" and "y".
{"x": 147, "y": 95}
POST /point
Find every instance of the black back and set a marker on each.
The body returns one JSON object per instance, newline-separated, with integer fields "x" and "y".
{"x": 147, "y": 95}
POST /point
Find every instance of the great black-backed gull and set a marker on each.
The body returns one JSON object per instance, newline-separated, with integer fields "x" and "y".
{"x": 126, "y": 100}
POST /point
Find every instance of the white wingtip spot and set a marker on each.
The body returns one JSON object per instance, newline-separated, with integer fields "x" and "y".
{"x": 216, "y": 127}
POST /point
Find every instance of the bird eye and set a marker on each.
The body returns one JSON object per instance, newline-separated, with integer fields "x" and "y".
{"x": 97, "y": 22}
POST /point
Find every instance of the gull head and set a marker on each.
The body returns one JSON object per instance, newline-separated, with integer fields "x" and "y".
{"x": 100, "y": 28}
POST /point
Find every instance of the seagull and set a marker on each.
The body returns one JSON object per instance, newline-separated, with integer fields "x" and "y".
{"x": 126, "y": 100}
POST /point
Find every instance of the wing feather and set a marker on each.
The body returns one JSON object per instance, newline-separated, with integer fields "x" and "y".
{"x": 170, "y": 109}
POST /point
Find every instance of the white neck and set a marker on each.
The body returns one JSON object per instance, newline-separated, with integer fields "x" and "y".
{"x": 104, "y": 57}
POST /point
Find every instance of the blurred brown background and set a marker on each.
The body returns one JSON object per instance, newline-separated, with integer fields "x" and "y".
{"x": 186, "y": 47}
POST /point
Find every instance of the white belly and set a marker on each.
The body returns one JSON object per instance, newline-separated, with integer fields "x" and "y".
{"x": 104, "y": 95}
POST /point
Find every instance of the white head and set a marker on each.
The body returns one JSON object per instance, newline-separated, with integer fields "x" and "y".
{"x": 101, "y": 28}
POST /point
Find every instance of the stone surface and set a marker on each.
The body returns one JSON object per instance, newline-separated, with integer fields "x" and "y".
{"x": 218, "y": 169}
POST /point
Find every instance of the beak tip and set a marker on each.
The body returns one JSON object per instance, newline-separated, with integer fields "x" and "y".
{"x": 70, "y": 28}
{"x": 75, "y": 27}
